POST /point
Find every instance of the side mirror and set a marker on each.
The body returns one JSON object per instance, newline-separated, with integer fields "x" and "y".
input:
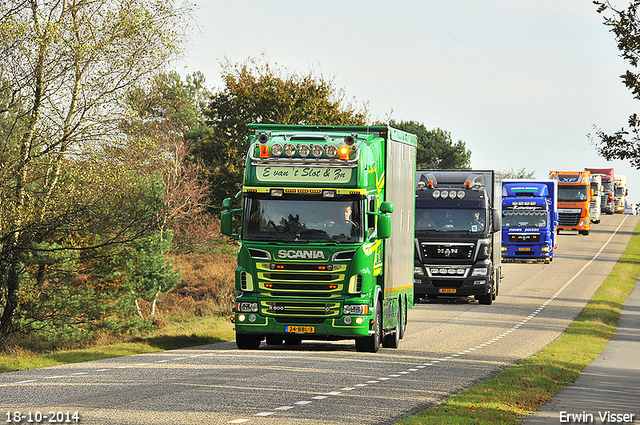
{"x": 384, "y": 226}
{"x": 226, "y": 219}
{"x": 496, "y": 221}
{"x": 386, "y": 207}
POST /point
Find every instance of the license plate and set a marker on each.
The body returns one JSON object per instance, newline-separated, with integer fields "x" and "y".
{"x": 525, "y": 249}
{"x": 447, "y": 291}
{"x": 300, "y": 329}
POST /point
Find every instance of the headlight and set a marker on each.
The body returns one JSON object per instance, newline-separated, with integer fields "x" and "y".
{"x": 304, "y": 150}
{"x": 332, "y": 151}
{"x": 418, "y": 270}
{"x": 290, "y": 149}
{"x": 276, "y": 150}
{"x": 480, "y": 271}
{"x": 317, "y": 151}
{"x": 355, "y": 309}
{"x": 246, "y": 307}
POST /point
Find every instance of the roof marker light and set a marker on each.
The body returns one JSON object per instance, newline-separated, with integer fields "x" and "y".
{"x": 344, "y": 152}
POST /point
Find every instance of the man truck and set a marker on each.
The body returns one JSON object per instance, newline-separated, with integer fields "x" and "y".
{"x": 529, "y": 220}
{"x": 606, "y": 204}
{"x": 574, "y": 193}
{"x": 325, "y": 235}
{"x": 595, "y": 205}
{"x": 457, "y": 235}
{"x": 620, "y": 193}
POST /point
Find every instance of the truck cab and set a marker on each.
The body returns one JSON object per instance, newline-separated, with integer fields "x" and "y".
{"x": 457, "y": 234}
{"x": 529, "y": 220}
{"x": 574, "y": 195}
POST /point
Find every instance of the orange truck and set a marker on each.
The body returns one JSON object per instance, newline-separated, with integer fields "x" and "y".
{"x": 574, "y": 194}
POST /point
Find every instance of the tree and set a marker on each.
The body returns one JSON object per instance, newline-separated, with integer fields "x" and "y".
{"x": 436, "y": 149}
{"x": 255, "y": 92}
{"x": 522, "y": 173}
{"x": 65, "y": 68}
{"x": 166, "y": 114}
{"x": 625, "y": 24}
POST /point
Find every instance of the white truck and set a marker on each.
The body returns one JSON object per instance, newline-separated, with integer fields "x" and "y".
{"x": 620, "y": 194}
{"x": 595, "y": 204}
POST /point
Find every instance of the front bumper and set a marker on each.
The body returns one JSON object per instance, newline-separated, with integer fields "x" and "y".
{"x": 343, "y": 327}
{"x": 476, "y": 285}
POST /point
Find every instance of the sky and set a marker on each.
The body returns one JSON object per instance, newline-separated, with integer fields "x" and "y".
{"x": 522, "y": 84}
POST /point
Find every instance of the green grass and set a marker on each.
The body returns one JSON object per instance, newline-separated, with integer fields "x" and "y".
{"x": 517, "y": 391}
{"x": 176, "y": 333}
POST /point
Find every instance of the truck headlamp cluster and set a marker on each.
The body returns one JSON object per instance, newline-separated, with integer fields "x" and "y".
{"x": 447, "y": 271}
{"x": 303, "y": 150}
{"x": 479, "y": 271}
{"x": 524, "y": 203}
{"x": 247, "y": 307}
{"x": 444, "y": 194}
{"x": 355, "y": 309}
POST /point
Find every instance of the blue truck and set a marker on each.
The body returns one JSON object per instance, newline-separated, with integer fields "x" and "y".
{"x": 530, "y": 220}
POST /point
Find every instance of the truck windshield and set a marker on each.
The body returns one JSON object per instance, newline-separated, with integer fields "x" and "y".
{"x": 620, "y": 190}
{"x": 524, "y": 219}
{"x": 468, "y": 220}
{"x": 285, "y": 220}
{"x": 572, "y": 193}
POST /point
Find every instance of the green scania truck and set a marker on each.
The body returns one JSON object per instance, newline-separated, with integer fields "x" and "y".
{"x": 325, "y": 231}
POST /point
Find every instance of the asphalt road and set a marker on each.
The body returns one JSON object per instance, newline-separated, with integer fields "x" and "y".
{"x": 448, "y": 347}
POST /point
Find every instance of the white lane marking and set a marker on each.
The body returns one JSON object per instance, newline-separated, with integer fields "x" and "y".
{"x": 284, "y": 407}
{"x": 264, "y": 414}
{"x": 238, "y": 421}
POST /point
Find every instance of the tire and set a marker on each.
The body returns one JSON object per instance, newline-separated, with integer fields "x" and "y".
{"x": 371, "y": 343}
{"x": 488, "y": 298}
{"x": 248, "y": 341}
{"x": 392, "y": 340}
{"x": 403, "y": 328}
{"x": 273, "y": 339}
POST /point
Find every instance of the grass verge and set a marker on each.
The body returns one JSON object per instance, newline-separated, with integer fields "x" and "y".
{"x": 517, "y": 391}
{"x": 176, "y": 333}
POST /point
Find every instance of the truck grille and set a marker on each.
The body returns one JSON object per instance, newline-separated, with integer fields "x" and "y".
{"x": 524, "y": 238}
{"x": 568, "y": 219}
{"x": 453, "y": 251}
{"x": 298, "y": 308}
{"x": 438, "y": 283}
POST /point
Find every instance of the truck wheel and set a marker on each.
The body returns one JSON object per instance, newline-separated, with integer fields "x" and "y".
{"x": 403, "y": 328}
{"x": 392, "y": 340}
{"x": 248, "y": 341}
{"x": 488, "y": 298}
{"x": 584, "y": 232}
{"x": 273, "y": 339}
{"x": 371, "y": 343}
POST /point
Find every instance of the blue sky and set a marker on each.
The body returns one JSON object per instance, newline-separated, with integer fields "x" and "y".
{"x": 521, "y": 83}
